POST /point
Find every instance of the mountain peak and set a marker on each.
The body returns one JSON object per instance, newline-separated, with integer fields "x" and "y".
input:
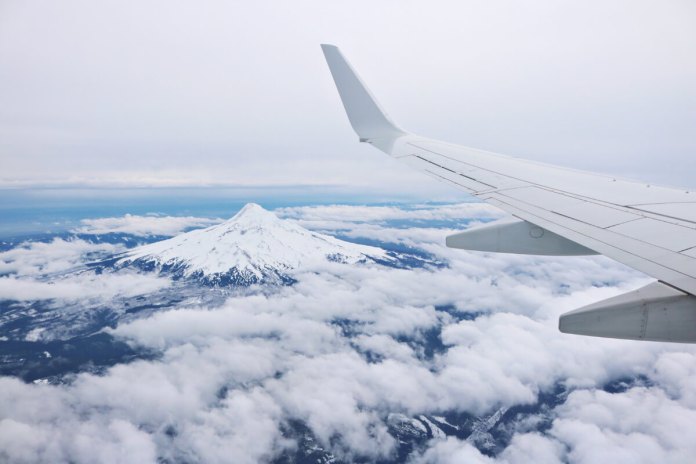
{"x": 252, "y": 209}
{"x": 254, "y": 245}
{"x": 252, "y": 214}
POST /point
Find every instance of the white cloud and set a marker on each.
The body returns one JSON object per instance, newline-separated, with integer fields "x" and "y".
{"x": 533, "y": 447}
{"x": 676, "y": 373}
{"x": 229, "y": 377}
{"x": 144, "y": 225}
{"x": 453, "y": 451}
{"x": 370, "y": 222}
{"x": 524, "y": 448}
{"x": 85, "y": 285}
{"x": 640, "y": 425}
{"x": 32, "y": 258}
{"x": 385, "y": 346}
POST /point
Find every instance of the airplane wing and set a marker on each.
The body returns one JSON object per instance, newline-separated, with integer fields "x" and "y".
{"x": 558, "y": 211}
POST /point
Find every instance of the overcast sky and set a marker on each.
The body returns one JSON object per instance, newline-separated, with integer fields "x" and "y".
{"x": 168, "y": 93}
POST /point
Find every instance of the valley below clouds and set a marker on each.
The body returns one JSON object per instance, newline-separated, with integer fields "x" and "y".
{"x": 455, "y": 359}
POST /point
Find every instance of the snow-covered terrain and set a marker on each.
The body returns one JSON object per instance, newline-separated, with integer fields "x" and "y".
{"x": 254, "y": 246}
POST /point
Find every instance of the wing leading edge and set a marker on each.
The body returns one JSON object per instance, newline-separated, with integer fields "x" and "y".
{"x": 559, "y": 211}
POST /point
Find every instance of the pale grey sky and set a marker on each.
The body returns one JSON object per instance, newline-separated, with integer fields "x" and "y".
{"x": 133, "y": 93}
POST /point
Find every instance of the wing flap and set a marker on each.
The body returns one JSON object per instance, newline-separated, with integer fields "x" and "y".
{"x": 684, "y": 212}
{"x": 587, "y": 211}
{"x": 672, "y": 237}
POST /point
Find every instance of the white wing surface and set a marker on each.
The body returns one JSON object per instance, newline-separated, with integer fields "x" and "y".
{"x": 560, "y": 211}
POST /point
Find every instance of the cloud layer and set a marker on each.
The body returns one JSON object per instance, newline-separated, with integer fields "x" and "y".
{"x": 345, "y": 347}
{"x": 52, "y": 271}
{"x": 144, "y": 225}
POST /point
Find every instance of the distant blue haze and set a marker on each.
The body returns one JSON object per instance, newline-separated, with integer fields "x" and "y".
{"x": 41, "y": 211}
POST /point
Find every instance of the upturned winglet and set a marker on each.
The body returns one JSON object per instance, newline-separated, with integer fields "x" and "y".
{"x": 369, "y": 120}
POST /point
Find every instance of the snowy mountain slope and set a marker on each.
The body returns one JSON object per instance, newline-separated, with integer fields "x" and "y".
{"x": 254, "y": 246}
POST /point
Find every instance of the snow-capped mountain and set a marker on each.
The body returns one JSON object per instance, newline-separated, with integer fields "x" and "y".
{"x": 252, "y": 247}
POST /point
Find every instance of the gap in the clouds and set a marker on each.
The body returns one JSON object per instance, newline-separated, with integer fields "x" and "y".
{"x": 490, "y": 433}
{"x": 426, "y": 343}
{"x": 493, "y": 433}
{"x": 48, "y": 319}
{"x": 497, "y": 430}
{"x": 53, "y": 361}
{"x": 458, "y": 314}
{"x": 49, "y": 340}
{"x": 308, "y": 450}
{"x": 624, "y": 384}
{"x": 429, "y": 341}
